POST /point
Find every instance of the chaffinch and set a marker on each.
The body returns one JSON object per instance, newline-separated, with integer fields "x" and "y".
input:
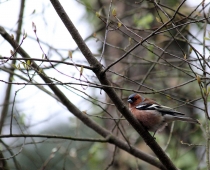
{"x": 153, "y": 116}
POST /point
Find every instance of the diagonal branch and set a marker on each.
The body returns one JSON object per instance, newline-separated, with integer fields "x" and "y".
{"x": 99, "y": 71}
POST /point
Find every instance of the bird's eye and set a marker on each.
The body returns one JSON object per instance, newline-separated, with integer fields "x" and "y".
{"x": 133, "y": 99}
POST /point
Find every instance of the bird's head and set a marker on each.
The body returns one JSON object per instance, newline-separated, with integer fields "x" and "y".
{"x": 135, "y": 99}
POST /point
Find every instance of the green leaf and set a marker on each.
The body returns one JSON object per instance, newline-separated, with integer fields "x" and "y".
{"x": 28, "y": 62}
{"x": 18, "y": 66}
{"x": 22, "y": 119}
{"x": 14, "y": 66}
{"x": 114, "y": 12}
{"x": 40, "y": 70}
{"x": 206, "y": 38}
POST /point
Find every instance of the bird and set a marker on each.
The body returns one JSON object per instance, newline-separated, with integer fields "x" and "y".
{"x": 153, "y": 116}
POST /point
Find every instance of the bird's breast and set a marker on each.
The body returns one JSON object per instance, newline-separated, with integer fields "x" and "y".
{"x": 151, "y": 119}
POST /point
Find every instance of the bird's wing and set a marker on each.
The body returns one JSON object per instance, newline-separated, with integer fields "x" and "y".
{"x": 160, "y": 108}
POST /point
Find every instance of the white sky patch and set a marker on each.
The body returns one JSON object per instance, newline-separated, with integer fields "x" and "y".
{"x": 35, "y": 104}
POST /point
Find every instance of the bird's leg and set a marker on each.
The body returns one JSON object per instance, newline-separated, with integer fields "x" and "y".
{"x": 160, "y": 127}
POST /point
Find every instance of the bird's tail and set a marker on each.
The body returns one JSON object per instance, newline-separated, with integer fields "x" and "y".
{"x": 187, "y": 119}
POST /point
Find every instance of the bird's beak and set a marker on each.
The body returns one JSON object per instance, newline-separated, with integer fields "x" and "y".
{"x": 130, "y": 101}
